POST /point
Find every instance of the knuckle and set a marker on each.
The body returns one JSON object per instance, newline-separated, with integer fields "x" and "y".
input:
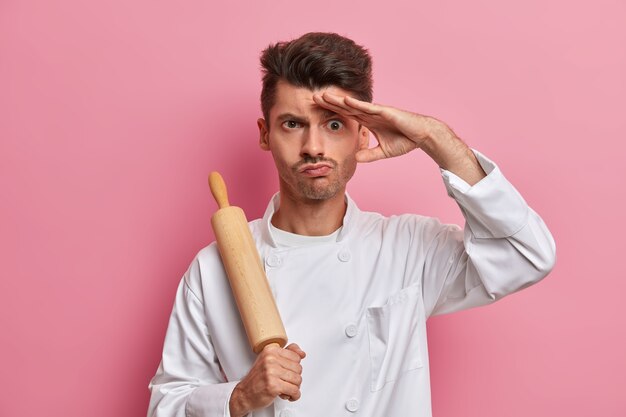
{"x": 268, "y": 360}
{"x": 296, "y": 395}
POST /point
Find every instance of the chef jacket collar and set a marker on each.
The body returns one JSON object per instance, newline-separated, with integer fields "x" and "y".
{"x": 349, "y": 219}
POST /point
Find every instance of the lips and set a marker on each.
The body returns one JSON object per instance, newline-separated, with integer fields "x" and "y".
{"x": 315, "y": 170}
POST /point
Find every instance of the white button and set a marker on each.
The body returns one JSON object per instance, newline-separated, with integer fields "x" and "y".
{"x": 351, "y": 330}
{"x": 287, "y": 413}
{"x": 352, "y": 405}
{"x": 344, "y": 255}
{"x": 273, "y": 261}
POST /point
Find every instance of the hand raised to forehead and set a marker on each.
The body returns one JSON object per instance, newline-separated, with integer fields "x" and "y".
{"x": 397, "y": 131}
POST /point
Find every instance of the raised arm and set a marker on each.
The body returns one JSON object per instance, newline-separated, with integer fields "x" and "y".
{"x": 504, "y": 247}
{"x": 399, "y": 131}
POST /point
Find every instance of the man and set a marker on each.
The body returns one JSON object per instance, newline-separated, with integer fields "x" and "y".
{"x": 354, "y": 289}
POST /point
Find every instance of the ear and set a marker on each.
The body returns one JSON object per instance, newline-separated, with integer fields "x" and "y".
{"x": 364, "y": 138}
{"x": 264, "y": 134}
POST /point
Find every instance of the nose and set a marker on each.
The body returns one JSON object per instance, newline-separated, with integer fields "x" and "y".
{"x": 313, "y": 143}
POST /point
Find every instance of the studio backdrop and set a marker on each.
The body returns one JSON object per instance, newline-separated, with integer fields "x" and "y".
{"x": 113, "y": 113}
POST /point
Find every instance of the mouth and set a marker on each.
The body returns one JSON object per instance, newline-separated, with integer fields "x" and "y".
{"x": 315, "y": 170}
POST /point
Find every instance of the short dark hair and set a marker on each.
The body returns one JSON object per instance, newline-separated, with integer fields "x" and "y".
{"x": 316, "y": 60}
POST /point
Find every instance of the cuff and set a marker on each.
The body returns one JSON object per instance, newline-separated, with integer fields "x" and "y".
{"x": 492, "y": 207}
{"x": 210, "y": 400}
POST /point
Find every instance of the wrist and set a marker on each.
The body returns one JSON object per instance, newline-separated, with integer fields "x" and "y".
{"x": 237, "y": 404}
{"x": 442, "y": 144}
{"x": 452, "y": 154}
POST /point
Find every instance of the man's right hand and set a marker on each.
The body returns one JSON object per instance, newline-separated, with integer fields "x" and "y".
{"x": 276, "y": 372}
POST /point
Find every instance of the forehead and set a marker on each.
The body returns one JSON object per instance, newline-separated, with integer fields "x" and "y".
{"x": 299, "y": 100}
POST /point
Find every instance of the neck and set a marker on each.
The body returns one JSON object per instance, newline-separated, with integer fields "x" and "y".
{"x": 310, "y": 217}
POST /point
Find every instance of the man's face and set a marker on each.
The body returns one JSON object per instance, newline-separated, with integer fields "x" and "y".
{"x": 313, "y": 148}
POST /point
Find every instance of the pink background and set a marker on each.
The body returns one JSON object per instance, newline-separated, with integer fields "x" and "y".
{"x": 112, "y": 115}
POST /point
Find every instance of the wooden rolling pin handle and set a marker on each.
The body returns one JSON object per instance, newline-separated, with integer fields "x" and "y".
{"x": 218, "y": 189}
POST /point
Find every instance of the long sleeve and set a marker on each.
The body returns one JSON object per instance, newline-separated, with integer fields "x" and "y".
{"x": 189, "y": 381}
{"x": 504, "y": 247}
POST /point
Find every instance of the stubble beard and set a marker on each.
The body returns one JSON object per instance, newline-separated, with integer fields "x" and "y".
{"x": 327, "y": 187}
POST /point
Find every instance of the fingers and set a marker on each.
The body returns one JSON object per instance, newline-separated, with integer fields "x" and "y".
{"x": 275, "y": 373}
{"x": 364, "y": 106}
{"x": 290, "y": 392}
{"x": 289, "y": 386}
{"x": 293, "y": 375}
{"x": 290, "y": 377}
{"x": 292, "y": 366}
{"x": 293, "y": 355}
{"x": 283, "y": 384}
{"x": 293, "y": 392}
{"x": 335, "y": 105}
{"x": 346, "y": 105}
{"x": 371, "y": 154}
{"x": 295, "y": 348}
{"x": 284, "y": 364}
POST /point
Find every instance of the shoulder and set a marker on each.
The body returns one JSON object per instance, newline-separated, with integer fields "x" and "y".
{"x": 206, "y": 271}
{"x": 205, "y": 267}
{"x": 407, "y": 225}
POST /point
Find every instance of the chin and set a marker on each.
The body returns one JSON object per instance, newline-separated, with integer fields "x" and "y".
{"x": 319, "y": 193}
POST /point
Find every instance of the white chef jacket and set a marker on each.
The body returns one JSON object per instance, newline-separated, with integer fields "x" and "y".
{"x": 357, "y": 306}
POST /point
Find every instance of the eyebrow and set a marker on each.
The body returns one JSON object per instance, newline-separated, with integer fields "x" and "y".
{"x": 290, "y": 116}
{"x": 326, "y": 114}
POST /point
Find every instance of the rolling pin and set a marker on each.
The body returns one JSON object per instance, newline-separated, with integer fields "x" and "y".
{"x": 242, "y": 263}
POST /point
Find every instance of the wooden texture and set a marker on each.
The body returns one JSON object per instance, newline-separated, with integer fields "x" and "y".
{"x": 242, "y": 263}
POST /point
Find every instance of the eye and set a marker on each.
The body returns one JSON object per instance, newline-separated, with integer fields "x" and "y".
{"x": 335, "y": 125}
{"x": 292, "y": 124}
